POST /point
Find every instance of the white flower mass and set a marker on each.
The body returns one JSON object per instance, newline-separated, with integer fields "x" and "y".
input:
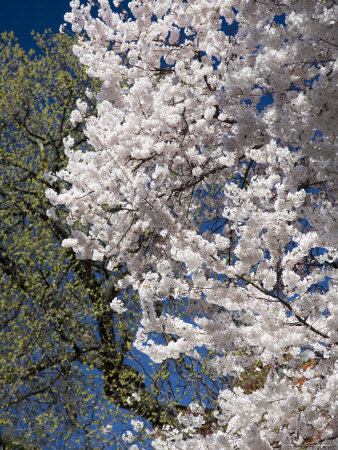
{"x": 214, "y": 144}
{"x": 117, "y": 306}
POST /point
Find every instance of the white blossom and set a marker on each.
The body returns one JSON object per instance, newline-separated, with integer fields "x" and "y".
{"x": 232, "y": 198}
{"x": 117, "y": 306}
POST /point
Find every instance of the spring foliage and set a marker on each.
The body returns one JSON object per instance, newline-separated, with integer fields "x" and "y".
{"x": 47, "y": 325}
{"x": 211, "y": 178}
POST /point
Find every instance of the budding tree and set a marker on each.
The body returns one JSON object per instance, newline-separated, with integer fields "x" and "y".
{"x": 211, "y": 179}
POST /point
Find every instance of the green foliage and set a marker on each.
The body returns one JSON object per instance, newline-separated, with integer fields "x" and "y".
{"x": 66, "y": 368}
{"x": 50, "y": 345}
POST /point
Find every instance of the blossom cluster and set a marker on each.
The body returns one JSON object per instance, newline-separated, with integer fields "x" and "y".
{"x": 212, "y": 179}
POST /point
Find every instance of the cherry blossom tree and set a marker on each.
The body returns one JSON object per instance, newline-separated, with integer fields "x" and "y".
{"x": 211, "y": 179}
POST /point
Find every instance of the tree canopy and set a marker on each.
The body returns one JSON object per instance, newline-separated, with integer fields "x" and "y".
{"x": 211, "y": 181}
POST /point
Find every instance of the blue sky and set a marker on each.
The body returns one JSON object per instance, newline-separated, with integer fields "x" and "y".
{"x": 23, "y": 16}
